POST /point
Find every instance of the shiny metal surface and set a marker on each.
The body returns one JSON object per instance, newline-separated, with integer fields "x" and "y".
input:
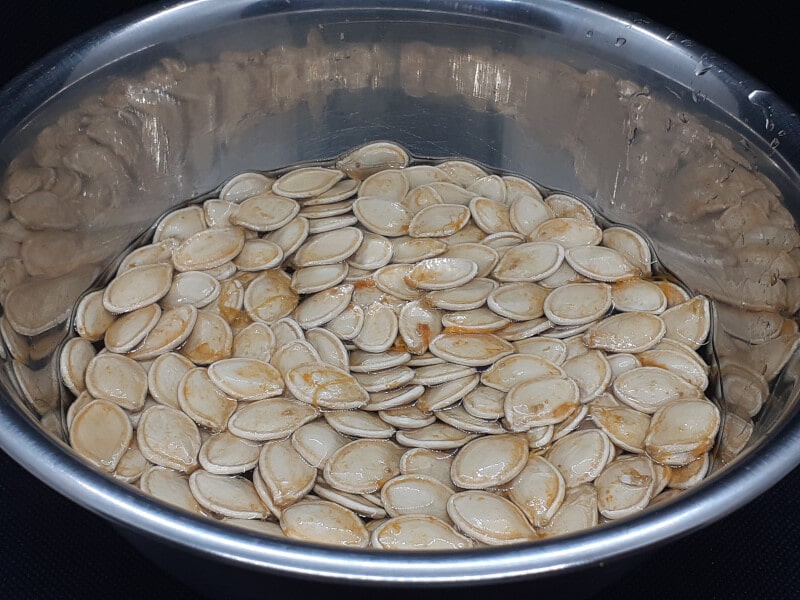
{"x": 167, "y": 105}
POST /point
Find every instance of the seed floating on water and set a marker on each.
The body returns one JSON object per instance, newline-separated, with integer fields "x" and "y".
{"x": 404, "y": 357}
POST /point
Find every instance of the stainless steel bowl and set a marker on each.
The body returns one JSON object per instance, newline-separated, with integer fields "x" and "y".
{"x": 164, "y": 106}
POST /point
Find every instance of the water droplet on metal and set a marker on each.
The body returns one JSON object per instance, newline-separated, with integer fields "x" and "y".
{"x": 762, "y": 100}
{"x": 589, "y": 33}
{"x": 701, "y": 69}
{"x": 620, "y": 42}
{"x": 671, "y": 36}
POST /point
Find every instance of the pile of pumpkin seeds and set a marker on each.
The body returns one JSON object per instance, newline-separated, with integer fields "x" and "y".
{"x": 380, "y": 355}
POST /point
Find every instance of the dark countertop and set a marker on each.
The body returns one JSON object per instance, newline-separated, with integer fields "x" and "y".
{"x": 52, "y": 548}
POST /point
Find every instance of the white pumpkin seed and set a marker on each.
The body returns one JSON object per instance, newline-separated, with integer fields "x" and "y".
{"x": 420, "y": 197}
{"x": 530, "y": 262}
{"x": 478, "y": 320}
{"x": 638, "y": 295}
{"x": 689, "y": 322}
{"x": 324, "y": 522}
{"x": 577, "y": 303}
{"x": 363, "y": 466}
{"x": 407, "y": 417}
{"x": 226, "y": 454}
{"x": 548, "y": 348}
{"x": 316, "y": 441}
{"x": 523, "y": 330}
{"x": 412, "y": 532}
{"x": 516, "y": 368}
{"x": 438, "y": 220}
{"x": 171, "y": 487}
{"x": 132, "y": 464}
{"x": 306, "y": 182}
{"x": 626, "y": 332}
{"x": 180, "y": 224}
{"x": 169, "y": 438}
{"x": 387, "y": 379}
{"x": 631, "y": 245}
{"x": 316, "y": 226}
{"x": 319, "y": 308}
{"x": 577, "y": 512}
{"x": 622, "y": 362}
{"x": 441, "y": 273}
{"x": 441, "y": 373}
{"x": 151, "y": 254}
{"x": 192, "y": 287}
{"x": 520, "y": 301}
{"x": 649, "y": 388}
{"x": 567, "y": 232}
{"x": 563, "y": 205}
{"x": 287, "y": 476}
{"x": 208, "y": 249}
{"x": 101, "y": 433}
{"x": 417, "y": 325}
{"x": 684, "y": 478}
{"x": 371, "y": 158}
{"x": 489, "y": 461}
{"x": 379, "y": 330}
{"x": 227, "y": 495}
{"x": 419, "y": 175}
{"x": 218, "y": 212}
{"x": 92, "y": 319}
{"x": 391, "y": 184}
{"x": 681, "y": 431}
{"x": 458, "y": 417}
{"x": 348, "y": 323}
{"x": 201, "y": 400}
{"x": 358, "y": 423}
{"x": 394, "y": 398}
{"x": 383, "y": 216}
{"x": 408, "y": 250}
{"x": 258, "y": 255}
{"x": 683, "y": 363}
{"x": 436, "y": 436}
{"x": 137, "y": 288}
{"x": 328, "y": 248}
{"x": 581, "y": 456}
{"x": 625, "y": 487}
{"x": 165, "y": 375}
{"x": 356, "y": 502}
{"x": 211, "y": 339}
{"x": 492, "y": 216}
{"x": 172, "y": 329}
{"x": 326, "y": 386}
{"x": 485, "y": 402}
{"x": 437, "y": 397}
{"x": 367, "y": 362}
{"x": 470, "y": 349}
{"x": 76, "y": 355}
{"x": 468, "y": 296}
{"x": 600, "y": 263}
{"x": 117, "y": 379}
{"x": 324, "y": 211}
{"x": 270, "y": 297}
{"x": 270, "y": 419}
{"x": 344, "y": 189}
{"x": 244, "y": 186}
{"x": 538, "y": 490}
{"x": 508, "y": 524}
{"x": 291, "y": 236}
{"x": 544, "y": 400}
